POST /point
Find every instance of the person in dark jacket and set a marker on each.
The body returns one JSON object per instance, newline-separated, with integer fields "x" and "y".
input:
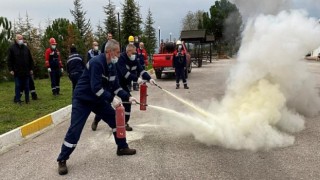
{"x": 20, "y": 65}
{"x": 32, "y": 87}
{"x": 109, "y": 36}
{"x": 75, "y": 66}
{"x": 94, "y": 92}
{"x": 180, "y": 64}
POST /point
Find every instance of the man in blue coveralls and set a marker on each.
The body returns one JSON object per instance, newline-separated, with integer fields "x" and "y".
{"x": 129, "y": 69}
{"x": 94, "y": 92}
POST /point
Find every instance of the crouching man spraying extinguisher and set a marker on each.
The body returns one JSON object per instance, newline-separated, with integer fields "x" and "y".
{"x": 129, "y": 69}
{"x": 94, "y": 92}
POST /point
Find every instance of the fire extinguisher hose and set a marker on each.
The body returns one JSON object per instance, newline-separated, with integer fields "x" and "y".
{"x": 137, "y": 103}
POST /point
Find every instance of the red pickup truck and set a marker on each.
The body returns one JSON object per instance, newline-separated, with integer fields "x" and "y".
{"x": 162, "y": 62}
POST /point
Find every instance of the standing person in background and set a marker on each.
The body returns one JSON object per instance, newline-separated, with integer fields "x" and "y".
{"x": 20, "y": 65}
{"x": 94, "y": 51}
{"x": 75, "y": 66}
{"x": 54, "y": 65}
{"x": 142, "y": 56}
{"x": 135, "y": 86}
{"x": 109, "y": 36}
{"x": 180, "y": 64}
{"x": 32, "y": 87}
{"x": 136, "y": 42}
{"x": 161, "y": 48}
{"x": 91, "y": 54}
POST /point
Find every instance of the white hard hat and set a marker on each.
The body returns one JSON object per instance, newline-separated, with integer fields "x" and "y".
{"x": 178, "y": 42}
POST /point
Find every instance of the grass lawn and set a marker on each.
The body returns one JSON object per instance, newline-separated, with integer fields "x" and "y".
{"x": 13, "y": 115}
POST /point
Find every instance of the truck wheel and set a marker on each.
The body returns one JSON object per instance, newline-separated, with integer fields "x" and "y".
{"x": 186, "y": 73}
{"x": 199, "y": 62}
{"x": 190, "y": 68}
{"x": 158, "y": 74}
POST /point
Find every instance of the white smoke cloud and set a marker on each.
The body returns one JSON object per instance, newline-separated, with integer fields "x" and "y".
{"x": 269, "y": 92}
{"x": 252, "y": 8}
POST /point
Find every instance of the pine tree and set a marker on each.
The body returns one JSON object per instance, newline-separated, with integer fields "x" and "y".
{"x": 224, "y": 22}
{"x": 110, "y": 23}
{"x": 83, "y": 26}
{"x": 5, "y": 36}
{"x": 138, "y": 20}
{"x": 130, "y": 21}
{"x": 100, "y": 34}
{"x": 66, "y": 34}
{"x": 193, "y": 20}
{"x": 150, "y": 34}
{"x": 79, "y": 18}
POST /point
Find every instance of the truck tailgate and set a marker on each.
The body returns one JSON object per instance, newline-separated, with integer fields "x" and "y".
{"x": 162, "y": 60}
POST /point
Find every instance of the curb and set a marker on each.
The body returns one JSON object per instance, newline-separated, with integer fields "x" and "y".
{"x": 27, "y": 131}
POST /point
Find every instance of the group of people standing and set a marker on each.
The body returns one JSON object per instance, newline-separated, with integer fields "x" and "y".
{"x": 107, "y": 74}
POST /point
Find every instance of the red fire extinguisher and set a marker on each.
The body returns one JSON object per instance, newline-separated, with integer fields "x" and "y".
{"x": 120, "y": 122}
{"x": 143, "y": 97}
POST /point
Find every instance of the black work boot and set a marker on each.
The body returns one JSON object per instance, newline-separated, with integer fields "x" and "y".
{"x": 94, "y": 125}
{"x": 54, "y": 92}
{"x": 18, "y": 102}
{"x": 186, "y": 86}
{"x": 58, "y": 91}
{"x": 62, "y": 169}
{"x": 128, "y": 128}
{"x": 177, "y": 86}
{"x": 126, "y": 151}
{"x": 34, "y": 96}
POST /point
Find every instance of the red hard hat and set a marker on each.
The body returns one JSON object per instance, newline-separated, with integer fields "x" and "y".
{"x": 52, "y": 41}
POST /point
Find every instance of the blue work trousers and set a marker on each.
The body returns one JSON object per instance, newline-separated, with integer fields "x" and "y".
{"x": 180, "y": 75}
{"x": 80, "y": 112}
{"x": 55, "y": 81}
{"x": 21, "y": 83}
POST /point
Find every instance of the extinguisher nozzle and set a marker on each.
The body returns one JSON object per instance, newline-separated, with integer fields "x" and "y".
{"x": 158, "y": 86}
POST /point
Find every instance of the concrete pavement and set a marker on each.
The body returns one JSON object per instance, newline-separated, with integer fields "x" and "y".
{"x": 161, "y": 153}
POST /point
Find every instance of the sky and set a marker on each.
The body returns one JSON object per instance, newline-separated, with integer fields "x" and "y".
{"x": 168, "y": 14}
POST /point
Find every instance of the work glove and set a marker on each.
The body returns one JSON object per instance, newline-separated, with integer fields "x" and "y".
{"x": 49, "y": 69}
{"x": 61, "y": 70}
{"x": 116, "y": 102}
{"x": 140, "y": 81}
{"x": 153, "y": 82}
{"x": 133, "y": 100}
